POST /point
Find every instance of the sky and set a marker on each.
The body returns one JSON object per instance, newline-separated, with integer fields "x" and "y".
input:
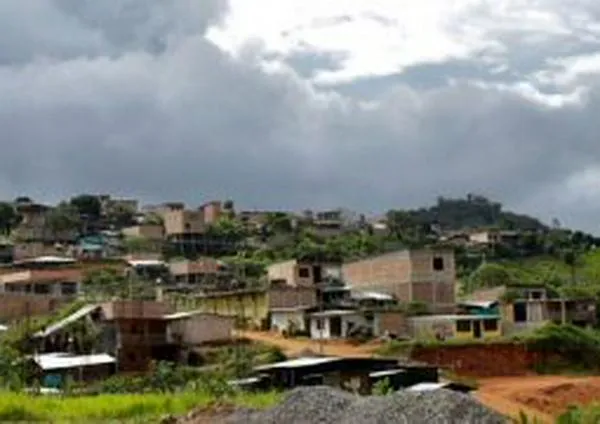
{"x": 289, "y": 104}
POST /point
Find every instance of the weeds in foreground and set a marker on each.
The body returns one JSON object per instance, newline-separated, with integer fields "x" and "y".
{"x": 16, "y": 407}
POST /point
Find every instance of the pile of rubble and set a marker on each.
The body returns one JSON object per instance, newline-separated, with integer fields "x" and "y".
{"x": 325, "y": 405}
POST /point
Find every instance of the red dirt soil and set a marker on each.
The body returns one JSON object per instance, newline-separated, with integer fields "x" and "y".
{"x": 543, "y": 396}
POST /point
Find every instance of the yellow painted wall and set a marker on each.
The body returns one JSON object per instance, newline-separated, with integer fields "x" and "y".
{"x": 252, "y": 306}
{"x": 507, "y": 312}
{"x": 470, "y": 335}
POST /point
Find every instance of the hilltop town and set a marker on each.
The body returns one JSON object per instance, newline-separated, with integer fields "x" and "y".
{"x": 96, "y": 287}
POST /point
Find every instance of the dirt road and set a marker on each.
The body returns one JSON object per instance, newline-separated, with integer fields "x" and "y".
{"x": 293, "y": 347}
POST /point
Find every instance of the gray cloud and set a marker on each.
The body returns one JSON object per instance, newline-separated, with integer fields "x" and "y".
{"x": 140, "y": 103}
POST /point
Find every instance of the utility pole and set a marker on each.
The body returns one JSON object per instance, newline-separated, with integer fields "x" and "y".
{"x": 321, "y": 321}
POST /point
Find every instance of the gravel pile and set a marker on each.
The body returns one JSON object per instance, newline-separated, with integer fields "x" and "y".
{"x": 324, "y": 405}
{"x": 437, "y": 406}
{"x": 305, "y": 405}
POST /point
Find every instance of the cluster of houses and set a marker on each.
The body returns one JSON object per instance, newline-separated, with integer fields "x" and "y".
{"x": 198, "y": 302}
{"x": 403, "y": 294}
{"x": 170, "y": 225}
{"x": 379, "y": 296}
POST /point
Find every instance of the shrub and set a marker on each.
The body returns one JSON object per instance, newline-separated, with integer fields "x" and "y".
{"x": 573, "y": 345}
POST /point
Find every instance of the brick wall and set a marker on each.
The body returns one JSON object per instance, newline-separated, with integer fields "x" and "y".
{"x": 202, "y": 328}
{"x": 20, "y": 306}
{"x": 212, "y": 211}
{"x": 149, "y": 231}
{"x": 199, "y": 266}
{"x": 283, "y": 271}
{"x": 422, "y": 262}
{"x": 289, "y": 297}
{"x": 183, "y": 221}
{"x": 410, "y": 275}
{"x": 135, "y": 309}
{"x": 384, "y": 270}
{"x": 393, "y": 322}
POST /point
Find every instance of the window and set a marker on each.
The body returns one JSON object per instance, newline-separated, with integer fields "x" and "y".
{"x": 536, "y": 294}
{"x": 490, "y": 325}
{"x": 463, "y": 326}
{"x": 438, "y": 264}
{"x": 68, "y": 288}
{"x": 303, "y": 272}
{"x": 41, "y": 288}
{"x": 137, "y": 328}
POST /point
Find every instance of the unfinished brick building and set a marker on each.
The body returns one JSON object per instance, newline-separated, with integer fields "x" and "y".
{"x": 427, "y": 276}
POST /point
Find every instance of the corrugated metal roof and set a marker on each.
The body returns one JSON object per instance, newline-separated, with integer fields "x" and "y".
{"x": 486, "y": 304}
{"x": 333, "y": 313}
{"x": 189, "y": 314}
{"x": 146, "y": 262}
{"x": 55, "y": 361}
{"x": 426, "y": 387}
{"x": 372, "y": 296}
{"x": 452, "y": 317}
{"x": 49, "y": 260}
{"x": 86, "y": 310}
{"x": 291, "y": 309}
{"x": 386, "y": 373}
{"x": 298, "y": 363}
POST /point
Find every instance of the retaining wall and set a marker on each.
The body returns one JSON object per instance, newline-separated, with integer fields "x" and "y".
{"x": 481, "y": 360}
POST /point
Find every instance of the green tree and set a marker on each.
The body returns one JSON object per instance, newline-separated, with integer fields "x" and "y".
{"x": 153, "y": 219}
{"x": 63, "y": 218}
{"x": 228, "y": 228}
{"x": 279, "y": 222}
{"x": 8, "y": 217}
{"x": 121, "y": 215}
{"x": 488, "y": 275}
{"x": 141, "y": 245}
{"x": 87, "y": 205}
{"x": 103, "y": 284}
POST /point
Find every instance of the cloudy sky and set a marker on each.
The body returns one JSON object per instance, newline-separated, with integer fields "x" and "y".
{"x": 305, "y": 103}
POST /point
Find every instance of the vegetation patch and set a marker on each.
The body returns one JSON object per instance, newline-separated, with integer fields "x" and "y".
{"x": 15, "y": 407}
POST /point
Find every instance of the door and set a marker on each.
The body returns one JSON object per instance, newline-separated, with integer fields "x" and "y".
{"x": 335, "y": 324}
{"x": 477, "y": 329}
{"x": 317, "y": 274}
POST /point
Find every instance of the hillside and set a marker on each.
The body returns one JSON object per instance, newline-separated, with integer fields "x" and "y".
{"x": 473, "y": 211}
{"x": 278, "y": 239}
{"x": 580, "y": 278}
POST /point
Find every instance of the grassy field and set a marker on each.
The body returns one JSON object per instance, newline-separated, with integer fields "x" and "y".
{"x": 146, "y": 408}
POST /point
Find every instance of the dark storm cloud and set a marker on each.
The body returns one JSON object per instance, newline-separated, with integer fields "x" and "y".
{"x": 134, "y": 100}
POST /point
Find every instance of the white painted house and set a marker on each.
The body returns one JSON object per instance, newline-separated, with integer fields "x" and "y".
{"x": 283, "y": 319}
{"x": 335, "y": 324}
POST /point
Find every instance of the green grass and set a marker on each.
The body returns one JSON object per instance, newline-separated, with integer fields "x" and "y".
{"x": 404, "y": 348}
{"x": 16, "y": 407}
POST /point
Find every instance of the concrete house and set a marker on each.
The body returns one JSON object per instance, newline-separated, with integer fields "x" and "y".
{"x": 207, "y": 272}
{"x": 138, "y": 332}
{"x": 461, "y": 327}
{"x": 427, "y": 276}
{"x": 47, "y": 275}
{"x": 33, "y": 227}
{"x": 186, "y": 231}
{"x": 299, "y": 273}
{"x": 523, "y": 307}
{"x": 336, "y": 324}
